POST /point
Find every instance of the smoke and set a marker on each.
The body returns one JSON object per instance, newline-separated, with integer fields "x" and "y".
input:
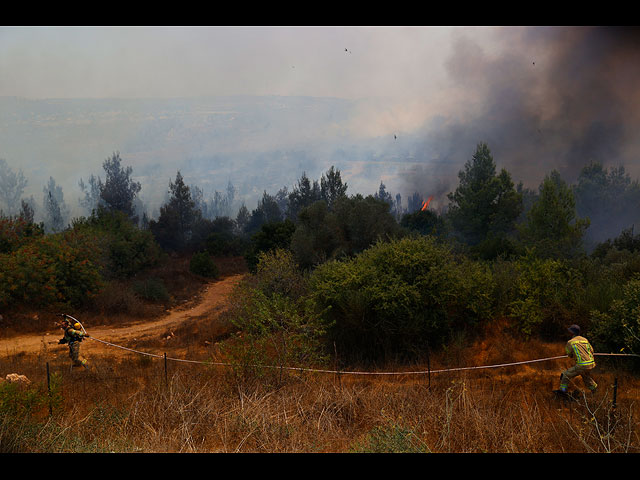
{"x": 553, "y": 98}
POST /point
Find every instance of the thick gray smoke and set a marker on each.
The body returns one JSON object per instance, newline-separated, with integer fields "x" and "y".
{"x": 555, "y": 98}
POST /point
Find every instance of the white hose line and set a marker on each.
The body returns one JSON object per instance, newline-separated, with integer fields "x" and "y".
{"x": 421, "y": 372}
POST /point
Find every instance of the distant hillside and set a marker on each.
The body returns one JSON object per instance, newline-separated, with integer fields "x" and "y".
{"x": 257, "y": 143}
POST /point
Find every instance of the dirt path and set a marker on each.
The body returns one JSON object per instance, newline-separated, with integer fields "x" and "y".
{"x": 211, "y": 300}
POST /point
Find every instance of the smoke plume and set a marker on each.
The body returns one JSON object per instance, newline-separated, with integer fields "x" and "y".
{"x": 554, "y": 98}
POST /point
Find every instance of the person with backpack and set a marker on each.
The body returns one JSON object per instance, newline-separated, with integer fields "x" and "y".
{"x": 73, "y": 335}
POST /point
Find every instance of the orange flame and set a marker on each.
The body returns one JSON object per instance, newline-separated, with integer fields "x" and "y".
{"x": 425, "y": 204}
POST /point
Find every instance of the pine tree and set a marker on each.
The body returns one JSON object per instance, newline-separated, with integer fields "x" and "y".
{"x": 12, "y": 185}
{"x": 118, "y": 190}
{"x": 303, "y": 195}
{"x": 174, "y": 226}
{"x": 56, "y": 211}
{"x": 553, "y": 228}
{"x": 331, "y": 187}
{"x": 484, "y": 203}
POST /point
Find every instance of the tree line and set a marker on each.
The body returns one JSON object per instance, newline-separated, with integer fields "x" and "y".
{"x": 384, "y": 280}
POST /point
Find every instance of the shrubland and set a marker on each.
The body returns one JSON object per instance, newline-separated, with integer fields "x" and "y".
{"x": 337, "y": 282}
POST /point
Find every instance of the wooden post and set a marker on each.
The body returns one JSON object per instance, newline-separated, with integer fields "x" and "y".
{"x": 166, "y": 380}
{"x": 429, "y": 365}
{"x": 49, "y": 390}
{"x": 335, "y": 351}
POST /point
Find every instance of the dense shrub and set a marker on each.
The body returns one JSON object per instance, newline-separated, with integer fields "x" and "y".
{"x": 619, "y": 329}
{"x": 15, "y": 232}
{"x": 202, "y": 264}
{"x": 278, "y": 273}
{"x": 51, "y": 270}
{"x": 271, "y": 236}
{"x": 126, "y": 249}
{"x": 425, "y": 222}
{"x": 545, "y": 296}
{"x": 397, "y": 296}
{"x": 351, "y": 226}
{"x": 22, "y": 410}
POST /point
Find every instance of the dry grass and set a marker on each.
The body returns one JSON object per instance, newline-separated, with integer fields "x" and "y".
{"x": 130, "y": 406}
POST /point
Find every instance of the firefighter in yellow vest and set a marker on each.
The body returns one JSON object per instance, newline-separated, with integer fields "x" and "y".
{"x": 73, "y": 335}
{"x": 581, "y": 351}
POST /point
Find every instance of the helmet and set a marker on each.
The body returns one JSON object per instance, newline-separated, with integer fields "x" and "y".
{"x": 575, "y": 329}
{"x": 77, "y": 326}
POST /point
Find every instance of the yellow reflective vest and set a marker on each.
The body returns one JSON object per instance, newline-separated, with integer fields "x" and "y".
{"x": 580, "y": 349}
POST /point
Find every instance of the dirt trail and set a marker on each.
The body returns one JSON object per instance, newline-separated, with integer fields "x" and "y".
{"x": 211, "y": 299}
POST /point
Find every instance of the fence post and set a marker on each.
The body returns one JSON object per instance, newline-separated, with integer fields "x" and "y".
{"x": 49, "y": 390}
{"x": 166, "y": 380}
{"x": 429, "y": 364}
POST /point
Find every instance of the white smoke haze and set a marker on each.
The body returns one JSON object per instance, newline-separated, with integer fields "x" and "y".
{"x": 258, "y": 106}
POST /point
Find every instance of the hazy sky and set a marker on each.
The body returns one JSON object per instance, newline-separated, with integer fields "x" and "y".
{"x": 97, "y": 62}
{"x": 543, "y": 98}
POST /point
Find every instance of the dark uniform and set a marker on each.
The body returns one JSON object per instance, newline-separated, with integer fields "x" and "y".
{"x": 73, "y": 336}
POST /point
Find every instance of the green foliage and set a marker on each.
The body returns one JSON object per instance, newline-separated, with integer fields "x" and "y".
{"x": 304, "y": 194}
{"x": 277, "y": 273}
{"x": 21, "y": 409}
{"x": 267, "y": 211}
{"x": 26, "y": 402}
{"x": 425, "y": 222}
{"x": 174, "y": 228}
{"x": 56, "y": 269}
{"x": 397, "y": 296}
{"x": 552, "y": 228}
{"x": 202, "y": 264}
{"x": 278, "y": 324}
{"x": 331, "y": 187}
{"x": 16, "y": 232}
{"x": 274, "y": 331}
{"x": 271, "y": 236}
{"x": 495, "y": 246}
{"x": 484, "y": 202}
{"x": 221, "y": 239}
{"x": 625, "y": 241}
{"x": 126, "y": 249}
{"x": 545, "y": 299}
{"x": 353, "y": 225}
{"x": 619, "y": 329}
{"x": 119, "y": 190}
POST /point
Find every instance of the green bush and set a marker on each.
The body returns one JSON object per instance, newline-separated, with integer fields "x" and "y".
{"x": 619, "y": 329}
{"x": 202, "y": 264}
{"x": 16, "y": 232}
{"x": 397, "y": 296}
{"x": 546, "y": 294}
{"x": 125, "y": 249}
{"x": 21, "y": 409}
{"x": 352, "y": 225}
{"x": 277, "y": 272}
{"x": 271, "y": 236}
{"x": 274, "y": 330}
{"x": 58, "y": 269}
